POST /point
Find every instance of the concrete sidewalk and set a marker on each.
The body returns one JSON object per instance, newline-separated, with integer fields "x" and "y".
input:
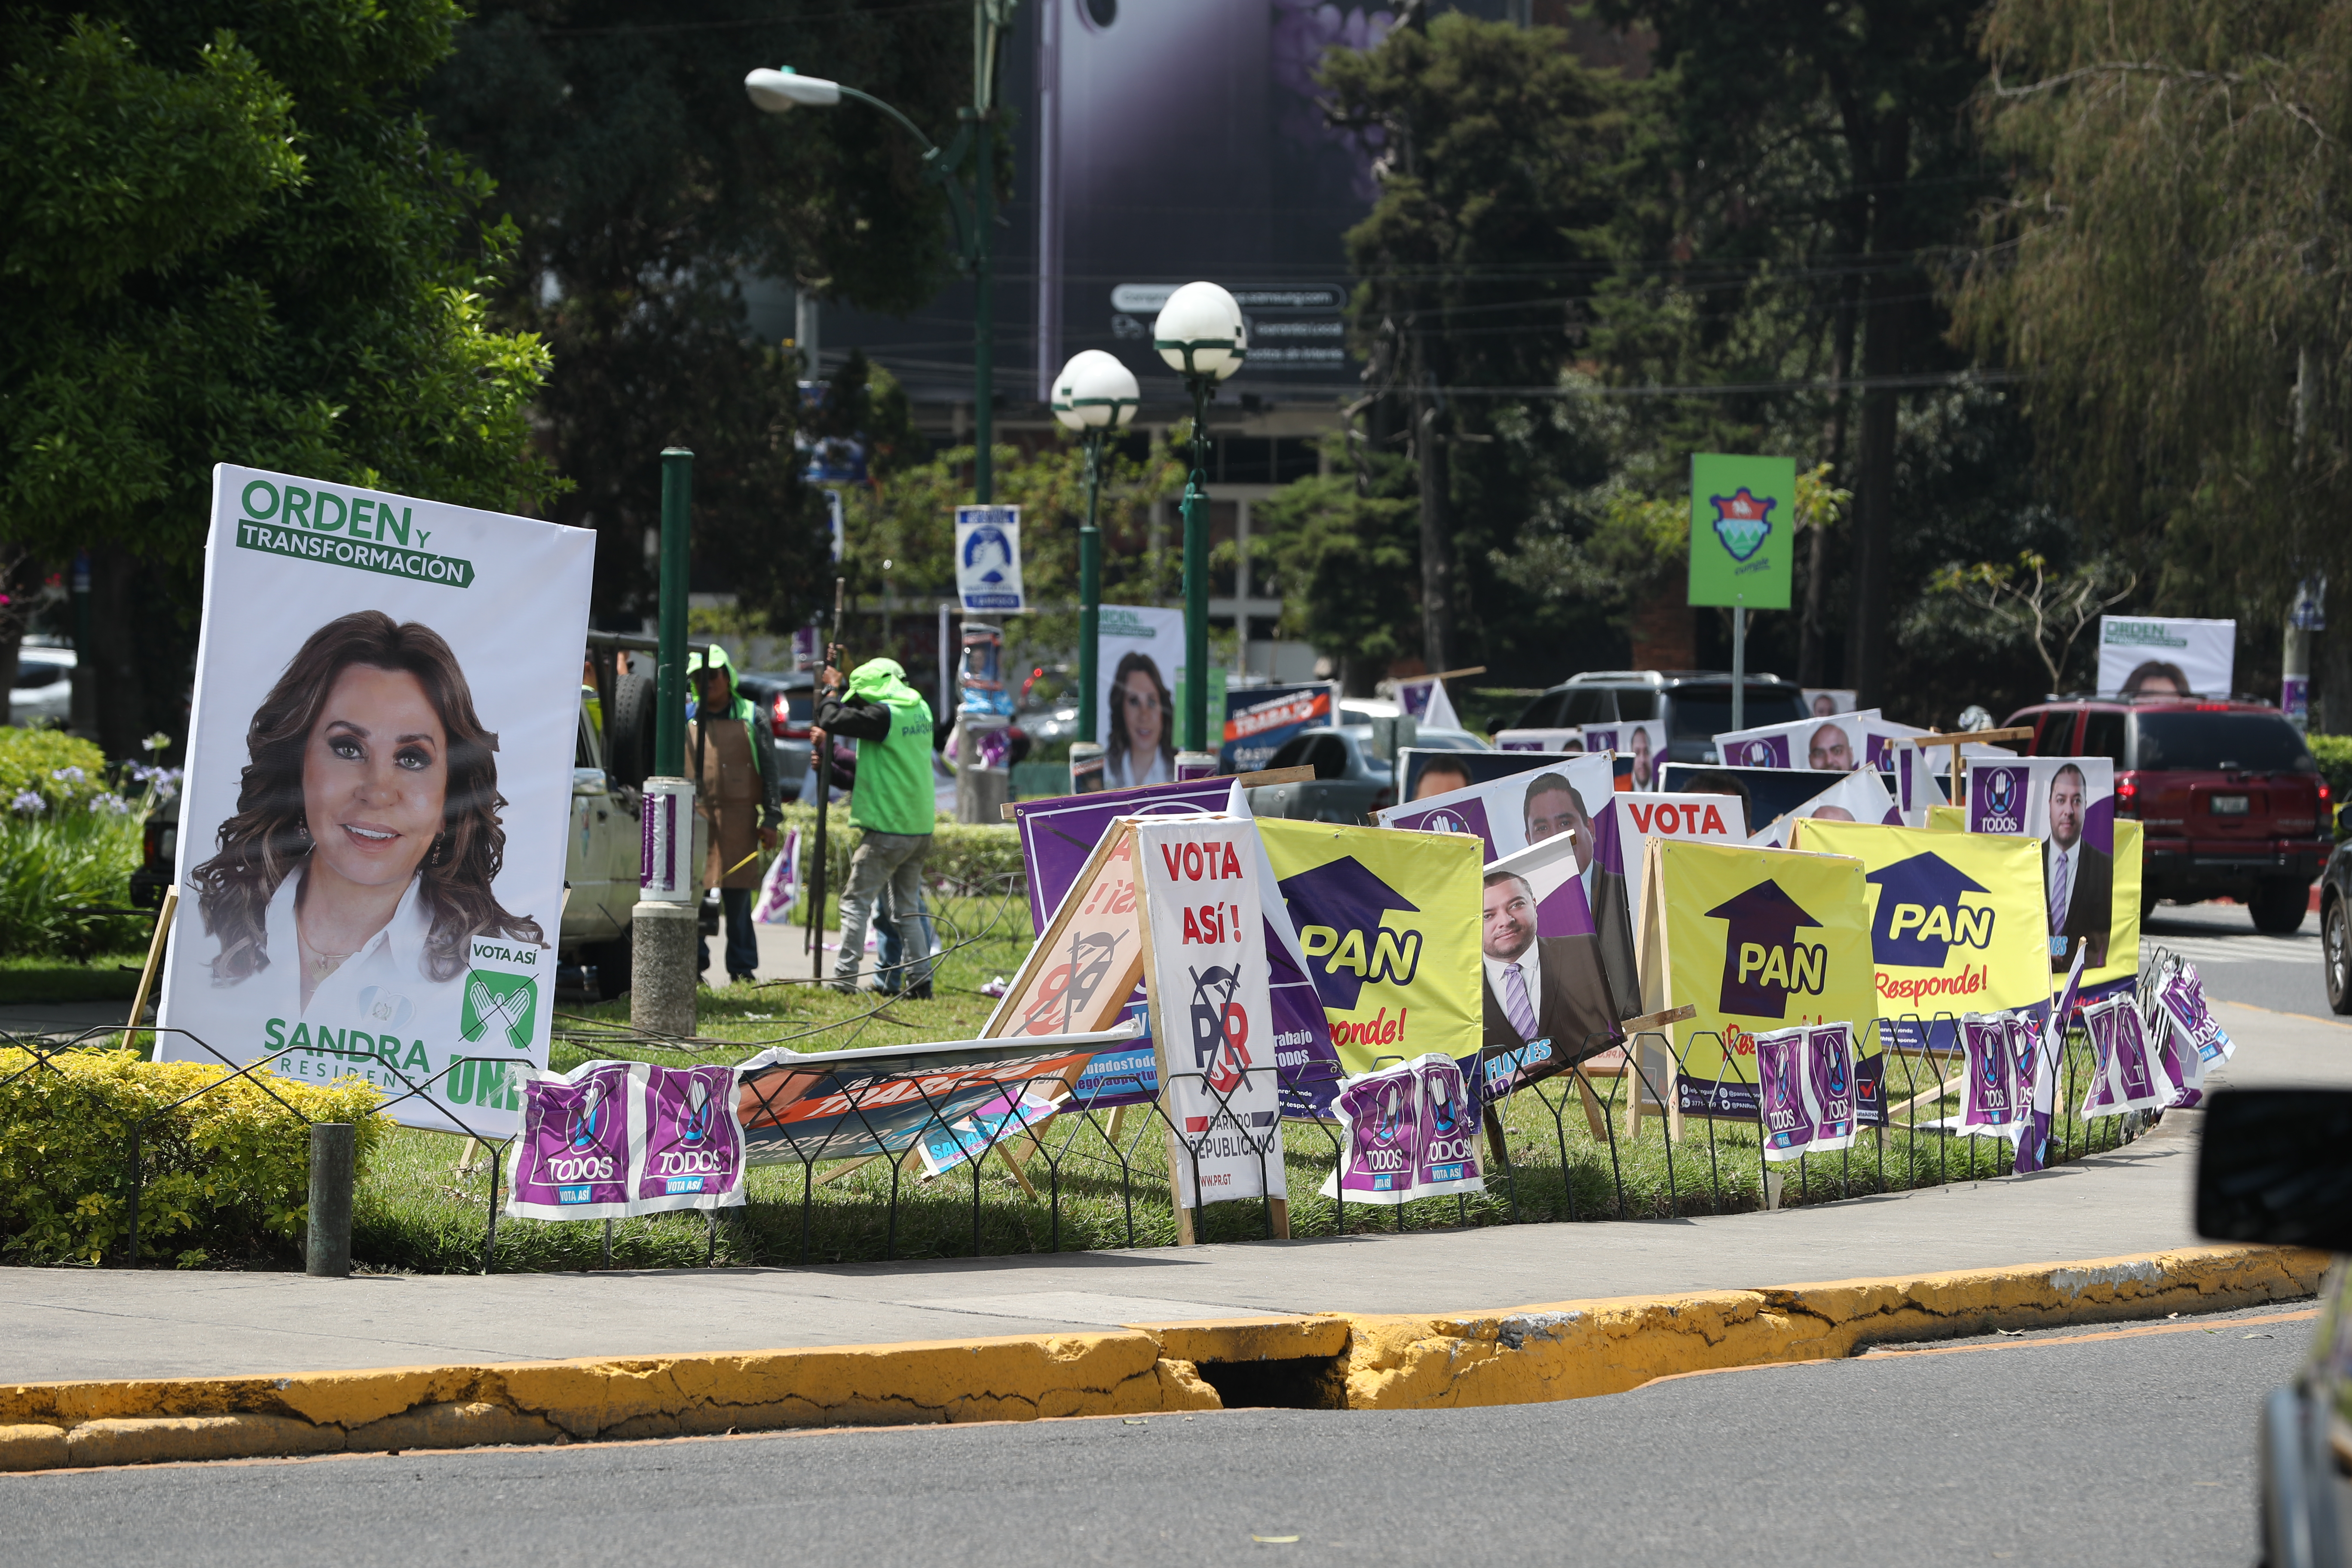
{"x": 85, "y": 1325}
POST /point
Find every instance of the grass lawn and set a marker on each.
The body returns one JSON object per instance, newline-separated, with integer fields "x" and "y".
{"x": 419, "y": 1209}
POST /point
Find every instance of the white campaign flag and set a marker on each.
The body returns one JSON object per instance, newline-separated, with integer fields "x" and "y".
{"x": 1212, "y": 1012}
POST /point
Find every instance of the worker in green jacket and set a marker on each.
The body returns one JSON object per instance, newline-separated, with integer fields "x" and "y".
{"x": 730, "y": 754}
{"x": 892, "y": 800}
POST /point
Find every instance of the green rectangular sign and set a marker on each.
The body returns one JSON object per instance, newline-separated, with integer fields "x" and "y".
{"x": 1743, "y": 529}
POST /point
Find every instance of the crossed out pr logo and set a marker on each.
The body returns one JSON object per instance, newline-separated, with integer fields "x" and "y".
{"x": 1220, "y": 1027}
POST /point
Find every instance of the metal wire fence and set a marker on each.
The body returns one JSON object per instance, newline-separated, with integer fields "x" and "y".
{"x": 1629, "y": 1132}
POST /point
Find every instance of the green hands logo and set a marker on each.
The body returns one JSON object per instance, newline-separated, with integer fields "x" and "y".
{"x": 495, "y": 1001}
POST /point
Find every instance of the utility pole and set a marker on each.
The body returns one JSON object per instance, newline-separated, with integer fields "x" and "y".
{"x": 662, "y": 924}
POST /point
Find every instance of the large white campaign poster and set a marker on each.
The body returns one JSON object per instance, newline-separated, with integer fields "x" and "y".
{"x": 378, "y": 789}
{"x": 2149, "y": 655}
{"x": 1140, "y": 657}
{"x": 1211, "y": 1011}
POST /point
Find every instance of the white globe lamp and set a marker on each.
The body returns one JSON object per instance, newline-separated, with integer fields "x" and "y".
{"x": 1096, "y": 392}
{"x": 1199, "y": 332}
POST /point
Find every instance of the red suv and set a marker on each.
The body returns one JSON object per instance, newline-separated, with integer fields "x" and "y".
{"x": 2232, "y": 801}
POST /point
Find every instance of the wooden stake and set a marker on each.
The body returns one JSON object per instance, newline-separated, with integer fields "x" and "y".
{"x": 155, "y": 945}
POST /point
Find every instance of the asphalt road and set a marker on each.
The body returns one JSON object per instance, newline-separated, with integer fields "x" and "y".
{"x": 2126, "y": 1447}
{"x": 2240, "y": 963}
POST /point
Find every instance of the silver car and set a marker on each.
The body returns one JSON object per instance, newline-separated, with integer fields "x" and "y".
{"x": 44, "y": 691}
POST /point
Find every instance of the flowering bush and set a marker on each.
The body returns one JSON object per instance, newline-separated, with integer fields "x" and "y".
{"x": 226, "y": 1174}
{"x": 57, "y": 769}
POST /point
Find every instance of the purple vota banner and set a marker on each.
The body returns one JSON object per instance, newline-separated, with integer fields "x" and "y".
{"x": 694, "y": 1147}
{"x": 1461, "y": 817}
{"x": 2177, "y": 1059}
{"x": 2139, "y": 1081}
{"x": 1780, "y": 1080}
{"x": 1763, "y": 752}
{"x": 1446, "y": 1151}
{"x": 1987, "y": 1099}
{"x": 1383, "y": 1127}
{"x": 572, "y": 1161}
{"x": 1056, "y": 836}
{"x": 1829, "y": 1073}
{"x": 2180, "y": 992}
{"x": 2106, "y": 1097}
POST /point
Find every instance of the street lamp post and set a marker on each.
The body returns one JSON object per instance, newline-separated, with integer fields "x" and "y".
{"x": 973, "y": 209}
{"x": 1093, "y": 395}
{"x": 1201, "y": 335}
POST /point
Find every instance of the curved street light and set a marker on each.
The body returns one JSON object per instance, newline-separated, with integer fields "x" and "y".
{"x": 1093, "y": 395}
{"x": 1201, "y": 335}
{"x": 780, "y": 89}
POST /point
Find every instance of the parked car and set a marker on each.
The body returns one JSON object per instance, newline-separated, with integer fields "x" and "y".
{"x": 1355, "y": 773}
{"x": 601, "y": 848}
{"x": 2228, "y": 795}
{"x": 2274, "y": 1168}
{"x": 1047, "y": 709}
{"x": 1695, "y": 704}
{"x": 43, "y": 693}
{"x": 2336, "y": 927}
{"x": 789, "y": 699}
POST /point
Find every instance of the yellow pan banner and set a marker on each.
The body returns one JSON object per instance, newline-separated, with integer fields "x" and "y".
{"x": 2122, "y": 926}
{"x": 1756, "y": 940}
{"x": 1957, "y": 923}
{"x": 1389, "y": 923}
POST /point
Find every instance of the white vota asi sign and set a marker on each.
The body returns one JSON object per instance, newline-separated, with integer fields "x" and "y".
{"x": 378, "y": 782}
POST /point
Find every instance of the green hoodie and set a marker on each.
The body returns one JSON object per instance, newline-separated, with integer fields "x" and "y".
{"x": 894, "y": 793}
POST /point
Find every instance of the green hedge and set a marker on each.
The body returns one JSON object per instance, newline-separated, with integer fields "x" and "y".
{"x": 226, "y": 1172}
{"x": 52, "y": 866}
{"x": 2334, "y": 755}
{"x": 972, "y": 854}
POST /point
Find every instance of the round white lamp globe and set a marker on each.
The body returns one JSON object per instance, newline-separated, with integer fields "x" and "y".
{"x": 1096, "y": 392}
{"x": 1200, "y": 330}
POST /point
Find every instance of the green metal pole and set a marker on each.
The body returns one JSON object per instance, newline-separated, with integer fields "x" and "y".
{"x": 677, "y": 514}
{"x": 1090, "y": 592}
{"x": 984, "y": 410}
{"x": 1196, "y": 575}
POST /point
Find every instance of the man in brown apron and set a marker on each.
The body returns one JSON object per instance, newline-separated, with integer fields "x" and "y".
{"x": 730, "y": 754}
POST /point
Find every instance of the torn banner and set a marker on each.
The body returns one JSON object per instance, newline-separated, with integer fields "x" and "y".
{"x": 1410, "y": 1130}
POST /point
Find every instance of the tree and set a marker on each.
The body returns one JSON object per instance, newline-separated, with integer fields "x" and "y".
{"x": 1842, "y": 121}
{"x": 1342, "y": 552}
{"x": 2050, "y": 612}
{"x": 226, "y": 239}
{"x": 647, "y": 191}
{"x": 2171, "y": 268}
{"x": 1503, "y": 161}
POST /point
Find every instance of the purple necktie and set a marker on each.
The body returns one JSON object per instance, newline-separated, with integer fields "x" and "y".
{"x": 1515, "y": 1001}
{"x": 2058, "y": 892}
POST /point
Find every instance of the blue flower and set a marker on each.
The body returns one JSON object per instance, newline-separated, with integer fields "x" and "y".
{"x": 28, "y": 804}
{"x": 69, "y": 776}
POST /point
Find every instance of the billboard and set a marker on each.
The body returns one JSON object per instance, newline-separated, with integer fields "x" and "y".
{"x": 1147, "y": 115}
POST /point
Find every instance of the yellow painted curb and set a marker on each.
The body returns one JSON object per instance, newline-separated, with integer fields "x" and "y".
{"x": 1574, "y": 1349}
{"x": 1564, "y": 1351}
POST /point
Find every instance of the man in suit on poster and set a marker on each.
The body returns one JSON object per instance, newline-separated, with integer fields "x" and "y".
{"x": 1539, "y": 988}
{"x": 2079, "y": 880}
{"x": 1553, "y": 807}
